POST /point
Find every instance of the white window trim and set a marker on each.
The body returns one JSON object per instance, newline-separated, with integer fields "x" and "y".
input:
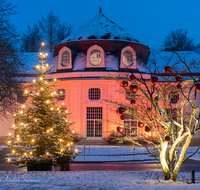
{"x": 102, "y": 64}
{"x": 69, "y": 66}
{"x": 134, "y": 65}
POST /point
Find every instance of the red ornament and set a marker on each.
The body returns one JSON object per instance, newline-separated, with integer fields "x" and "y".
{"x": 16, "y": 144}
{"x": 174, "y": 116}
{"x": 154, "y": 79}
{"x": 48, "y": 157}
{"x": 197, "y": 86}
{"x": 40, "y": 59}
{"x": 24, "y": 144}
{"x": 168, "y": 69}
{"x": 34, "y": 68}
{"x": 147, "y": 128}
{"x": 133, "y": 101}
{"x": 117, "y": 110}
{"x": 132, "y": 77}
{"x": 167, "y": 138}
{"x": 178, "y": 86}
{"x": 133, "y": 87}
{"x": 27, "y": 96}
{"x": 74, "y": 157}
{"x": 122, "y": 117}
{"x": 122, "y": 109}
{"x": 140, "y": 124}
{"x": 120, "y": 129}
{"x": 178, "y": 78}
{"x": 124, "y": 83}
{"x": 44, "y": 59}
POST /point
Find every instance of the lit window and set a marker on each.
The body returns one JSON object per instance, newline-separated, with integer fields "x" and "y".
{"x": 127, "y": 58}
{"x": 61, "y": 93}
{"x": 94, "y": 94}
{"x": 65, "y": 58}
{"x": 95, "y": 57}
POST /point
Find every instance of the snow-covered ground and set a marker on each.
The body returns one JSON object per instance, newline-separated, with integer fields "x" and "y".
{"x": 95, "y": 180}
{"x": 120, "y": 153}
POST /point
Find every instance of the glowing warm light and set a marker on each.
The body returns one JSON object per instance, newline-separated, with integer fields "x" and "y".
{"x": 23, "y": 106}
{"x": 25, "y": 153}
{"x": 52, "y": 108}
{"x": 17, "y": 139}
{"x": 71, "y": 143}
{"x": 22, "y": 123}
{"x": 51, "y": 129}
{"x": 47, "y": 131}
{"x": 41, "y": 88}
{"x": 68, "y": 144}
{"x": 17, "y": 136}
{"x": 9, "y": 134}
{"x": 60, "y": 140}
{"x": 66, "y": 111}
{"x": 35, "y": 120}
{"x": 21, "y": 111}
{"x": 47, "y": 153}
{"x": 8, "y": 142}
{"x": 76, "y": 150}
{"x": 63, "y": 103}
{"x": 73, "y": 131}
{"x": 33, "y": 140}
{"x": 69, "y": 148}
{"x": 38, "y": 66}
{"x": 46, "y": 54}
{"x": 40, "y": 53}
{"x": 14, "y": 125}
{"x": 13, "y": 151}
{"x": 8, "y": 159}
{"x": 37, "y": 93}
{"x": 26, "y": 91}
{"x": 34, "y": 80}
{"x": 55, "y": 79}
{"x": 47, "y": 101}
{"x": 66, "y": 120}
{"x": 31, "y": 153}
{"x": 15, "y": 114}
{"x": 54, "y": 92}
{"x": 61, "y": 150}
{"x": 57, "y": 108}
{"x": 47, "y": 65}
{"x": 42, "y": 43}
{"x": 41, "y": 78}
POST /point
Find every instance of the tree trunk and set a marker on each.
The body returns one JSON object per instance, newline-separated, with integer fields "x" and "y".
{"x": 163, "y": 161}
{"x": 181, "y": 158}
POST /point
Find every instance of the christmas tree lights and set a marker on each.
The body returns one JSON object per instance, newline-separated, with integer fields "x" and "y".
{"x": 43, "y": 134}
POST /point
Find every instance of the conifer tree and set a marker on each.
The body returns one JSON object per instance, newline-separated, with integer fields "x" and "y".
{"x": 42, "y": 131}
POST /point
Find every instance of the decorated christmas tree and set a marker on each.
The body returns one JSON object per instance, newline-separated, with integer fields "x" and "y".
{"x": 42, "y": 131}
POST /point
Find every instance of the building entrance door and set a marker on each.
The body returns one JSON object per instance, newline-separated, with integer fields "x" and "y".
{"x": 94, "y": 126}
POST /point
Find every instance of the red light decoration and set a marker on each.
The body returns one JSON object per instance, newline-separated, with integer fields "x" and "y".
{"x": 197, "y": 86}
{"x": 133, "y": 101}
{"x": 132, "y": 77}
{"x": 147, "y": 128}
{"x": 133, "y": 87}
{"x": 33, "y": 68}
{"x": 178, "y": 78}
{"x": 140, "y": 124}
{"x": 124, "y": 83}
{"x": 178, "y": 86}
{"x": 122, "y": 117}
{"x": 122, "y": 109}
{"x": 167, "y": 138}
{"x": 154, "y": 79}
{"x": 44, "y": 59}
{"x": 120, "y": 129}
{"x": 168, "y": 69}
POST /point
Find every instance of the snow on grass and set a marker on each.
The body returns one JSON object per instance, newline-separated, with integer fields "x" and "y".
{"x": 95, "y": 180}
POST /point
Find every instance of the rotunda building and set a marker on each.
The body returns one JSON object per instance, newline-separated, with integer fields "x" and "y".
{"x": 82, "y": 63}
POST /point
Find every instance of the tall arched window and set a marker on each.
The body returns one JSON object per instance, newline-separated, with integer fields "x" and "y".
{"x": 95, "y": 57}
{"x": 128, "y": 58}
{"x": 65, "y": 58}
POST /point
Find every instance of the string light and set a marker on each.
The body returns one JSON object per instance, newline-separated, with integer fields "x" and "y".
{"x": 47, "y": 131}
{"x": 8, "y": 142}
{"x": 55, "y": 80}
{"x": 22, "y": 123}
{"x": 71, "y": 143}
{"x": 63, "y": 103}
{"x": 61, "y": 150}
{"x": 41, "y": 88}
{"x": 47, "y": 153}
{"x": 17, "y": 139}
{"x": 47, "y": 101}
{"x": 51, "y": 108}
{"x": 73, "y": 131}
{"x": 21, "y": 112}
{"x": 23, "y": 106}
{"x": 54, "y": 92}
{"x": 76, "y": 150}
{"x": 42, "y": 43}
{"x": 41, "y": 78}
{"x": 60, "y": 140}
{"x": 8, "y": 159}
{"x": 35, "y": 120}
{"x": 51, "y": 129}
{"x": 17, "y": 136}
{"x": 26, "y": 91}
{"x": 15, "y": 114}
{"x": 13, "y": 151}
{"x": 38, "y": 66}
{"x": 33, "y": 140}
{"x": 25, "y": 153}
{"x": 9, "y": 134}
{"x": 13, "y": 125}
{"x": 34, "y": 80}
{"x": 37, "y": 93}
{"x": 47, "y": 64}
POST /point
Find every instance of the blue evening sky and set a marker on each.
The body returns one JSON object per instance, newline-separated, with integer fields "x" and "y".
{"x": 146, "y": 20}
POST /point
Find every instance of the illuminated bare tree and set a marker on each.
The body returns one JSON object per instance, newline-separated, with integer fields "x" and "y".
{"x": 151, "y": 103}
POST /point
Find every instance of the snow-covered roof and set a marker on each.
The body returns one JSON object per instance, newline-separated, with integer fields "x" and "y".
{"x": 100, "y": 28}
{"x": 191, "y": 58}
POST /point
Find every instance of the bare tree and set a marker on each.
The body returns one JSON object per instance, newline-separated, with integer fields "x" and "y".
{"x": 52, "y": 31}
{"x": 178, "y": 40}
{"x": 10, "y": 60}
{"x": 151, "y": 103}
{"x": 31, "y": 39}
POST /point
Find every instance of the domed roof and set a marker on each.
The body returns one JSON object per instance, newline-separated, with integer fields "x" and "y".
{"x": 100, "y": 28}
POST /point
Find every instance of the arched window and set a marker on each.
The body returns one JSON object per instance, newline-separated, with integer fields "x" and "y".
{"x": 128, "y": 58}
{"x": 174, "y": 97}
{"x": 61, "y": 93}
{"x": 95, "y": 57}
{"x": 21, "y": 98}
{"x": 65, "y": 58}
{"x": 94, "y": 94}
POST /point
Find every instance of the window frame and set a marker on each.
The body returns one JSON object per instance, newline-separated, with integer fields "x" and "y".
{"x": 68, "y": 59}
{"x": 93, "y": 93}
{"x": 63, "y": 95}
